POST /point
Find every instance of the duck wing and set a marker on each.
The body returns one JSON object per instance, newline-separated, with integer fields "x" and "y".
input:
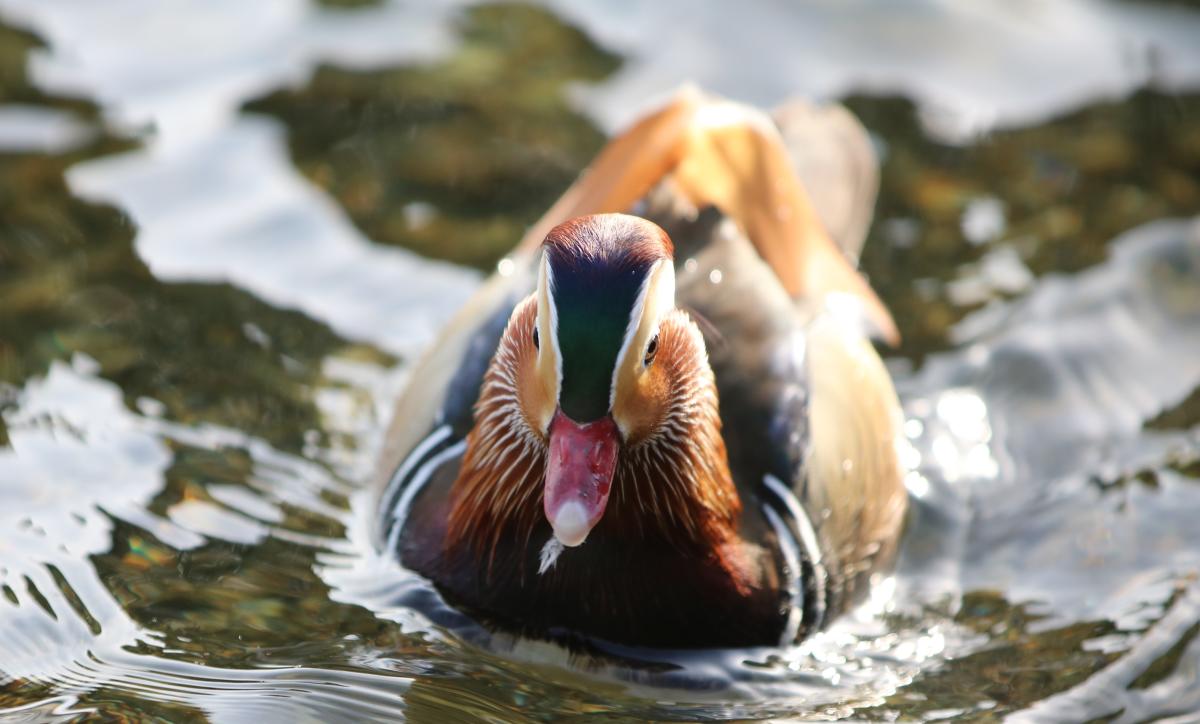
{"x": 809, "y": 415}
{"x": 719, "y": 153}
{"x": 835, "y": 160}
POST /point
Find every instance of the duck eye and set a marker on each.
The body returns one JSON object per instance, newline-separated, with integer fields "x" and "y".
{"x": 536, "y": 342}
{"x": 651, "y": 350}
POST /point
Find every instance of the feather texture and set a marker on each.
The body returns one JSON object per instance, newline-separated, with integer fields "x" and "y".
{"x": 673, "y": 485}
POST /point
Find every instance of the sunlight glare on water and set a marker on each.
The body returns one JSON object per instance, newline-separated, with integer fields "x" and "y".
{"x": 227, "y": 228}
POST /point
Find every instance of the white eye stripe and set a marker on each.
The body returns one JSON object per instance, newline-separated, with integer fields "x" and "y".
{"x": 654, "y": 300}
{"x": 547, "y": 305}
{"x": 547, "y": 371}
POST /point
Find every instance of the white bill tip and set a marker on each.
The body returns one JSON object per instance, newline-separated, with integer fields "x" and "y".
{"x": 570, "y": 524}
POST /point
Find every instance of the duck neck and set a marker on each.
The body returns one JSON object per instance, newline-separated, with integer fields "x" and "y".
{"x": 677, "y": 489}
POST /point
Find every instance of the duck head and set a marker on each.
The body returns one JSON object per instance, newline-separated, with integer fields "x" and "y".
{"x": 605, "y": 285}
{"x": 599, "y": 403}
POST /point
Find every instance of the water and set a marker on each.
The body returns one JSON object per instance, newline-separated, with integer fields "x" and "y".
{"x": 227, "y": 228}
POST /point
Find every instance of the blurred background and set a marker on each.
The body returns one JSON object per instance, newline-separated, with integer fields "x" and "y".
{"x": 227, "y": 228}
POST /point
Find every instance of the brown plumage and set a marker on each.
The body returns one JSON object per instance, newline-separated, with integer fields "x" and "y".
{"x": 578, "y": 241}
{"x": 672, "y": 481}
{"x": 500, "y": 483}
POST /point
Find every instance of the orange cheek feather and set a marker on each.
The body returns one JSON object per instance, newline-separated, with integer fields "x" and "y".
{"x": 535, "y": 384}
{"x": 641, "y": 402}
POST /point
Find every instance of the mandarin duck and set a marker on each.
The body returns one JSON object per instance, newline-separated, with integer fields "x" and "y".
{"x": 668, "y": 429}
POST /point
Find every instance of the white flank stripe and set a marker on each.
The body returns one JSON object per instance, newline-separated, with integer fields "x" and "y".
{"x": 420, "y": 479}
{"x": 808, "y": 536}
{"x": 791, "y": 557}
{"x": 419, "y": 452}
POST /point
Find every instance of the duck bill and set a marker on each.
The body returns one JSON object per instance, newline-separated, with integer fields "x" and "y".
{"x": 579, "y": 475}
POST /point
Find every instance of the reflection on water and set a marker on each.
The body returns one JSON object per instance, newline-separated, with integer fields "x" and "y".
{"x": 473, "y": 148}
{"x": 205, "y": 312}
{"x": 1079, "y": 538}
{"x": 959, "y": 227}
{"x": 971, "y": 67}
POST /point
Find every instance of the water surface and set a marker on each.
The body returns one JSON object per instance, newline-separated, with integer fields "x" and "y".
{"x": 217, "y": 266}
